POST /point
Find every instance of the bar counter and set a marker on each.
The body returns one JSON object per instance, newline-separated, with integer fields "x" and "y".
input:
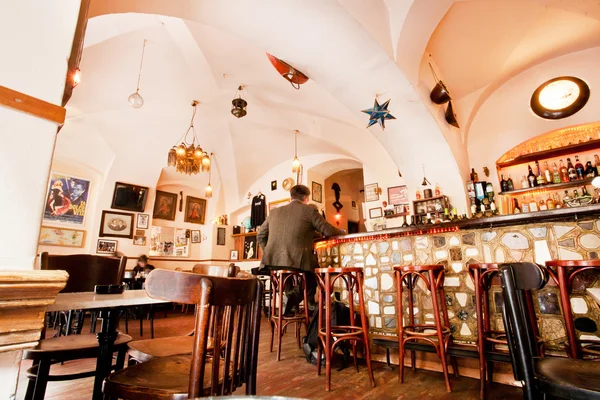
{"x": 566, "y": 233}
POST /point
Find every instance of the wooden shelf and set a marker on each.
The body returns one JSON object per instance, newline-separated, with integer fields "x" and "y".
{"x": 547, "y": 188}
{"x": 546, "y": 154}
{"x": 394, "y": 215}
{"x": 429, "y": 199}
{"x": 244, "y": 234}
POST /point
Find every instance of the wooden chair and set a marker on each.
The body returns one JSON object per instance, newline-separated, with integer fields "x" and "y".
{"x": 235, "y": 304}
{"x": 554, "y": 376}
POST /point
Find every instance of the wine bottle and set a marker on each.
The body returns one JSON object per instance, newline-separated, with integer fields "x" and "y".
{"x": 579, "y": 168}
{"x": 516, "y": 209}
{"x": 564, "y": 173}
{"x": 557, "y": 202}
{"x": 509, "y": 184}
{"x": 524, "y": 183}
{"x": 531, "y": 177}
{"x": 547, "y": 173}
{"x": 474, "y": 176}
{"x": 540, "y": 177}
{"x": 572, "y": 171}
{"x": 503, "y": 184}
{"x": 590, "y": 171}
{"x": 584, "y": 191}
{"x": 550, "y": 203}
{"x": 555, "y": 174}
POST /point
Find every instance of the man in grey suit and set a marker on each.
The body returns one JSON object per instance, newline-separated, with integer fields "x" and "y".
{"x": 286, "y": 238}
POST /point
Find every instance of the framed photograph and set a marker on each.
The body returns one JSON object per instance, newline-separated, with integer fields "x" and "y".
{"x": 376, "y": 212}
{"x": 273, "y": 187}
{"x": 401, "y": 209}
{"x": 139, "y": 240}
{"x": 353, "y": 204}
{"x": 220, "y": 236}
{"x": 66, "y": 237}
{"x": 250, "y": 250}
{"x": 195, "y": 210}
{"x": 116, "y": 224}
{"x": 139, "y": 232}
{"x": 398, "y": 195}
{"x": 129, "y": 197}
{"x": 165, "y": 205}
{"x": 66, "y": 199}
{"x": 274, "y": 204}
{"x": 234, "y": 255}
{"x": 317, "y": 192}
{"x": 371, "y": 192}
{"x": 106, "y": 246}
{"x": 142, "y": 221}
{"x": 196, "y": 237}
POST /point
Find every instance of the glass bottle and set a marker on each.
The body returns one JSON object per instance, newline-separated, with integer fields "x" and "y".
{"x": 597, "y": 164}
{"x": 557, "y": 202}
{"x": 531, "y": 178}
{"x": 404, "y": 224}
{"x": 418, "y": 194}
{"x": 524, "y": 205}
{"x": 564, "y": 172}
{"x": 575, "y": 194}
{"x": 584, "y": 191}
{"x": 540, "y": 177}
{"x": 503, "y": 184}
{"x": 524, "y": 183}
{"x": 438, "y": 192}
{"x": 572, "y": 171}
{"x": 566, "y": 198}
{"x": 555, "y": 174}
{"x": 547, "y": 173}
{"x": 542, "y": 205}
{"x": 550, "y": 203}
{"x": 590, "y": 171}
{"x": 516, "y": 209}
{"x": 533, "y": 205}
{"x": 579, "y": 168}
{"x": 474, "y": 176}
{"x": 509, "y": 184}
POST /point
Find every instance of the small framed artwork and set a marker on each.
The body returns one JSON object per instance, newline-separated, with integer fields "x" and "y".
{"x": 273, "y": 187}
{"x": 66, "y": 237}
{"x": 401, "y": 209}
{"x": 371, "y": 192}
{"x": 234, "y": 255}
{"x": 106, "y": 246}
{"x": 195, "y": 210}
{"x": 398, "y": 195}
{"x": 317, "y": 192}
{"x": 116, "y": 224}
{"x": 353, "y": 204}
{"x": 139, "y": 232}
{"x": 376, "y": 212}
{"x": 278, "y": 203}
{"x": 129, "y": 197}
{"x": 142, "y": 221}
{"x": 250, "y": 250}
{"x": 220, "y": 236}
{"x": 196, "y": 237}
{"x": 139, "y": 240}
{"x": 165, "y": 205}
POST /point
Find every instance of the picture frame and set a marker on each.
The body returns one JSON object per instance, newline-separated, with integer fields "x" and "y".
{"x": 196, "y": 237}
{"x": 139, "y": 240}
{"x": 250, "y": 249}
{"x": 317, "y": 192}
{"x": 195, "y": 210}
{"x": 234, "y": 255}
{"x": 221, "y": 236}
{"x": 106, "y": 246}
{"x": 273, "y": 187}
{"x": 140, "y": 232}
{"x": 129, "y": 197}
{"x": 65, "y": 237}
{"x": 401, "y": 209}
{"x": 66, "y": 199}
{"x": 371, "y": 192}
{"x": 353, "y": 204}
{"x": 398, "y": 195}
{"x": 376, "y": 212}
{"x": 116, "y": 224}
{"x": 165, "y": 205}
{"x": 143, "y": 221}
{"x": 278, "y": 203}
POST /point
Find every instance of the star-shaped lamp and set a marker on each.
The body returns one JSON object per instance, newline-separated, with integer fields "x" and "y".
{"x": 379, "y": 113}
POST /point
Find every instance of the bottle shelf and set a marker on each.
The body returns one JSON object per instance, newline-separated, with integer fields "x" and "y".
{"x": 549, "y": 187}
{"x": 552, "y": 153}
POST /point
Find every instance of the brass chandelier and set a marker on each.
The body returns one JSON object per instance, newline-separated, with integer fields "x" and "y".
{"x": 189, "y": 158}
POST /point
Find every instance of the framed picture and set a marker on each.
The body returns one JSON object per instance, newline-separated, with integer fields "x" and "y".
{"x": 195, "y": 210}
{"x": 139, "y": 240}
{"x": 66, "y": 199}
{"x": 398, "y": 195}
{"x": 142, "y": 221}
{"x": 165, "y": 205}
{"x": 401, "y": 209}
{"x": 129, "y": 197}
{"x": 116, "y": 224}
{"x": 220, "y": 236}
{"x": 139, "y": 232}
{"x": 317, "y": 192}
{"x": 353, "y": 204}
{"x": 66, "y": 237}
{"x": 106, "y": 246}
{"x": 250, "y": 250}
{"x": 376, "y": 212}
{"x": 273, "y": 187}
{"x": 371, "y": 192}
{"x": 234, "y": 255}
{"x": 196, "y": 237}
{"x": 274, "y": 204}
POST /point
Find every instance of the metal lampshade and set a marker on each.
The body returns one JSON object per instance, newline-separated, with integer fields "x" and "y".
{"x": 450, "y": 116}
{"x": 439, "y": 94}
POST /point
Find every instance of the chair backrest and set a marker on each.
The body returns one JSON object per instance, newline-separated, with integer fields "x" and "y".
{"x": 85, "y": 270}
{"x": 517, "y": 278}
{"x": 235, "y": 304}
{"x": 230, "y": 270}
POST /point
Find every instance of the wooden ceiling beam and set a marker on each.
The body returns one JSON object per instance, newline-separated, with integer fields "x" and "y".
{"x": 32, "y": 105}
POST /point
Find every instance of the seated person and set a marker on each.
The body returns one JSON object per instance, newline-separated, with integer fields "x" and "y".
{"x": 142, "y": 268}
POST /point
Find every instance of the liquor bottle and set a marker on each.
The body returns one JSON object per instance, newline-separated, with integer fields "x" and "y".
{"x": 579, "y": 168}
{"x": 531, "y": 178}
{"x": 473, "y": 210}
{"x": 550, "y": 204}
{"x": 572, "y": 171}
{"x": 555, "y": 174}
{"x": 493, "y": 207}
{"x": 404, "y": 224}
{"x": 446, "y": 214}
{"x": 524, "y": 205}
{"x": 418, "y": 194}
{"x": 438, "y": 192}
{"x": 566, "y": 198}
{"x": 547, "y": 173}
{"x": 474, "y": 176}
{"x": 590, "y": 171}
{"x": 503, "y": 184}
{"x": 542, "y": 205}
{"x": 533, "y": 205}
{"x": 525, "y": 183}
{"x": 540, "y": 177}
{"x": 575, "y": 194}
{"x": 516, "y": 209}
{"x": 557, "y": 203}
{"x": 597, "y": 164}
{"x": 509, "y": 184}
{"x": 564, "y": 173}
{"x": 584, "y": 191}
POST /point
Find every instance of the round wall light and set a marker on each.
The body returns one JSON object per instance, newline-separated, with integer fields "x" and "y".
{"x": 560, "y": 97}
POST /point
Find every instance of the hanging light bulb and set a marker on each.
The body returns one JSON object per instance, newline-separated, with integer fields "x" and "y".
{"x": 135, "y": 100}
{"x": 205, "y": 163}
{"x": 76, "y": 77}
{"x": 296, "y": 160}
{"x": 208, "y": 191}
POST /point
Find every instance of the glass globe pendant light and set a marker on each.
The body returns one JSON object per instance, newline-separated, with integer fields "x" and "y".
{"x": 296, "y": 160}
{"x": 208, "y": 191}
{"x": 135, "y": 99}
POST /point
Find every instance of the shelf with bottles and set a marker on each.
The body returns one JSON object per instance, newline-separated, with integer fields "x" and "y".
{"x": 542, "y": 201}
{"x": 437, "y": 204}
{"x": 548, "y": 187}
{"x": 581, "y": 147}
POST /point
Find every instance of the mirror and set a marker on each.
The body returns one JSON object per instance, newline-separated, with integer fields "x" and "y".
{"x": 169, "y": 242}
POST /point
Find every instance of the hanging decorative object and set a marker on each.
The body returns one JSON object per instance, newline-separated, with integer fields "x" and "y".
{"x": 238, "y": 105}
{"x": 135, "y": 99}
{"x": 379, "y": 113}
{"x": 439, "y": 94}
{"x": 451, "y": 116}
{"x": 208, "y": 190}
{"x": 296, "y": 160}
{"x": 427, "y": 191}
{"x": 291, "y": 74}
{"x": 188, "y": 157}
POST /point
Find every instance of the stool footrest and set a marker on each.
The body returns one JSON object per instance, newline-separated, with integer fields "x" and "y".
{"x": 412, "y": 330}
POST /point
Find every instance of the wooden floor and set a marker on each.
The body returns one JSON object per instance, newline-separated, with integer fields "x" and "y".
{"x": 293, "y": 376}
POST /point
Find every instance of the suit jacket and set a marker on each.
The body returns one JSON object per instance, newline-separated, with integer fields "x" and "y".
{"x": 286, "y": 236}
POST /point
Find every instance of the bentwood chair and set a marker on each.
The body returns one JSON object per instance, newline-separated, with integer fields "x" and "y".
{"x": 235, "y": 305}
{"x": 554, "y": 376}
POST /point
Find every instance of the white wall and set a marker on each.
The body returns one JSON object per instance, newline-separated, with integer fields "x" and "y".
{"x": 351, "y": 184}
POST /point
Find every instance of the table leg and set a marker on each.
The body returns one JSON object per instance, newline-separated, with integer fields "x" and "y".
{"x": 106, "y": 339}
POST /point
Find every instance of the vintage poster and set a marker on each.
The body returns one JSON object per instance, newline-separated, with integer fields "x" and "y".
{"x": 67, "y": 198}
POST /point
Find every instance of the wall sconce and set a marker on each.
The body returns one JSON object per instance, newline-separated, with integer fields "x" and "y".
{"x": 238, "y": 104}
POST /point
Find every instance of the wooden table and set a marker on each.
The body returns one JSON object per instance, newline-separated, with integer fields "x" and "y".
{"x": 110, "y": 306}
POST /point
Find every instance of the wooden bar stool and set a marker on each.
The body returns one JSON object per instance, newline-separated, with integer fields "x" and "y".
{"x": 563, "y": 272}
{"x": 437, "y": 334}
{"x": 352, "y": 278}
{"x": 279, "y": 322}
